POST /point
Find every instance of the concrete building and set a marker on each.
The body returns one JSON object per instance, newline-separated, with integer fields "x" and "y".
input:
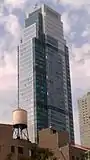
{"x": 18, "y": 148}
{"x": 58, "y": 142}
{"x": 44, "y": 79}
{"x": 84, "y": 119}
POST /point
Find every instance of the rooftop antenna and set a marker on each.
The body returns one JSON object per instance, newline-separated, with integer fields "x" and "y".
{"x": 20, "y": 129}
{"x": 18, "y": 75}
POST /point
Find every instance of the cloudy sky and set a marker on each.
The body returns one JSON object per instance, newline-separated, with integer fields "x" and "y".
{"x": 76, "y": 19}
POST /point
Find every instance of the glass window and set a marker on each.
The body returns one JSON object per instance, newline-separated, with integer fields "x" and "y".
{"x": 73, "y": 158}
{"x": 29, "y": 152}
{"x": 13, "y": 149}
{"x": 54, "y": 131}
{"x": 20, "y": 150}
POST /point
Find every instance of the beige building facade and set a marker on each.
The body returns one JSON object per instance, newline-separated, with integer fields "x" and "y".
{"x": 84, "y": 119}
{"x": 16, "y": 148}
{"x": 58, "y": 142}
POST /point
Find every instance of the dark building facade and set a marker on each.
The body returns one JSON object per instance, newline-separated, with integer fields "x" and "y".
{"x": 45, "y": 87}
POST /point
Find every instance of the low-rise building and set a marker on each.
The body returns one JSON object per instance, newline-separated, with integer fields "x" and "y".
{"x": 16, "y": 147}
{"x": 59, "y": 144}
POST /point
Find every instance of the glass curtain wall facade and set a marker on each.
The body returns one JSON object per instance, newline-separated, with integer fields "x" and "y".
{"x": 45, "y": 89}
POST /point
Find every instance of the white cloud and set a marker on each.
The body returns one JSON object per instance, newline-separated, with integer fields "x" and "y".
{"x": 87, "y": 7}
{"x": 8, "y": 79}
{"x": 8, "y": 104}
{"x": 66, "y": 23}
{"x": 1, "y": 9}
{"x": 82, "y": 53}
{"x": 80, "y": 76}
{"x": 7, "y": 73}
{"x": 11, "y": 25}
{"x": 8, "y": 47}
{"x": 86, "y": 32}
{"x": 72, "y": 35}
{"x": 69, "y": 20}
{"x": 74, "y": 3}
{"x": 16, "y": 3}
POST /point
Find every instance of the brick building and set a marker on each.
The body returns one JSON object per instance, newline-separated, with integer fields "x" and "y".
{"x": 59, "y": 144}
{"x": 48, "y": 138}
{"x": 8, "y": 145}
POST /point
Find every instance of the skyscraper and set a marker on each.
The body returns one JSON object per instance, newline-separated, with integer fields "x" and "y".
{"x": 84, "y": 119}
{"x": 45, "y": 88}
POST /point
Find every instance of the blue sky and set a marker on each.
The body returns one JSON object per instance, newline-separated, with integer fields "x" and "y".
{"x": 76, "y": 20}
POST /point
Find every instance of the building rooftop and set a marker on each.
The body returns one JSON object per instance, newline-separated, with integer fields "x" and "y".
{"x": 37, "y": 7}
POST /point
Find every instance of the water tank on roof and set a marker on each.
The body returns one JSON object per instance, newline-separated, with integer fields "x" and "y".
{"x": 20, "y": 117}
{"x": 20, "y": 130}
